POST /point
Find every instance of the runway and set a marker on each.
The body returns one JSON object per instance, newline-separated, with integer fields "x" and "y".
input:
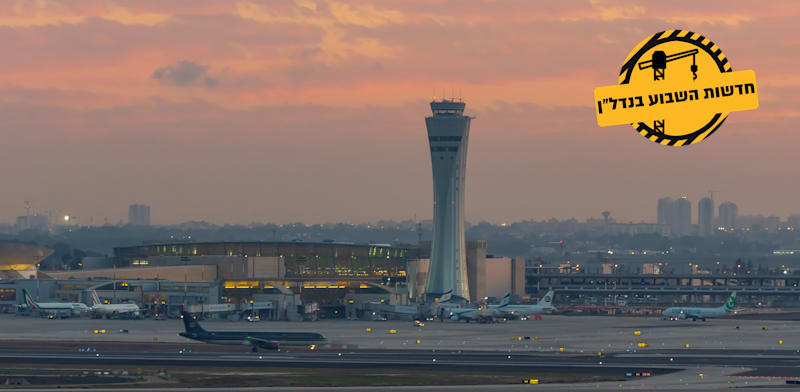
{"x": 755, "y": 363}
{"x": 362, "y": 359}
{"x": 720, "y": 353}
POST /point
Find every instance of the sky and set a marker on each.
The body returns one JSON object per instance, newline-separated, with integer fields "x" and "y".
{"x": 313, "y": 111}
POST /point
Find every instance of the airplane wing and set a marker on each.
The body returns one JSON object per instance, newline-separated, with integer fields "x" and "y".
{"x": 405, "y": 310}
{"x": 262, "y": 343}
{"x": 461, "y": 313}
{"x": 691, "y": 314}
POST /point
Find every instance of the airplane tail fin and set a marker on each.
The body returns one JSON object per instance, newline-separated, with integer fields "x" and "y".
{"x": 190, "y": 323}
{"x": 506, "y": 299}
{"x": 95, "y": 298}
{"x": 730, "y": 304}
{"x": 547, "y": 300}
{"x": 29, "y": 300}
{"x": 447, "y": 296}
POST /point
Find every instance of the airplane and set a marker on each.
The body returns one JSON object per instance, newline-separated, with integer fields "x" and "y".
{"x": 71, "y": 308}
{"x": 446, "y": 297}
{"x": 726, "y": 310}
{"x": 102, "y": 309}
{"x": 264, "y": 340}
{"x": 396, "y": 311}
{"x": 545, "y": 305}
{"x": 488, "y": 312}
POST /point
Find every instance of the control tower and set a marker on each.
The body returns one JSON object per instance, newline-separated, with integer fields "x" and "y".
{"x": 448, "y": 133}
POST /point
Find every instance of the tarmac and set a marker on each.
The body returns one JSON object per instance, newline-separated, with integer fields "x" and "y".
{"x": 713, "y": 355}
{"x": 576, "y": 334}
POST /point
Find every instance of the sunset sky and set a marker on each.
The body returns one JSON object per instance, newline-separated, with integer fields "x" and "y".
{"x": 280, "y": 111}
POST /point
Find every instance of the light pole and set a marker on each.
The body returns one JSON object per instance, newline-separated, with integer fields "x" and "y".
{"x": 37, "y": 281}
{"x": 114, "y": 266}
{"x": 185, "y": 282}
{"x": 538, "y": 278}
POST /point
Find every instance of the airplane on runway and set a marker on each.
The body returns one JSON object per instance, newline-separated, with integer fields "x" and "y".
{"x": 70, "y": 308}
{"x": 114, "y": 310}
{"x": 265, "y": 340}
{"x": 545, "y": 305}
{"x": 726, "y": 310}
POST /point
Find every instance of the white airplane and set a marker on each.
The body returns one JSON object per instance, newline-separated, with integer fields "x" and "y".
{"x": 74, "y": 308}
{"x": 102, "y": 309}
{"x": 545, "y": 305}
{"x": 444, "y": 308}
{"x": 446, "y": 297}
{"x": 728, "y": 309}
{"x": 483, "y": 312}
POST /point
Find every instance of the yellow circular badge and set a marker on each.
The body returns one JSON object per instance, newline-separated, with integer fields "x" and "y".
{"x": 676, "y": 88}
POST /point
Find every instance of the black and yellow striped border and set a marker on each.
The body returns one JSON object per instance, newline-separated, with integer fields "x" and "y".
{"x": 700, "y": 42}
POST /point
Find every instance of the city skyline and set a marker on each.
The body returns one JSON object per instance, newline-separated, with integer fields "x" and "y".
{"x": 310, "y": 111}
{"x": 723, "y": 214}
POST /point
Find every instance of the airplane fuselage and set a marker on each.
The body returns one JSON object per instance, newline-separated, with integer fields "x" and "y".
{"x": 111, "y": 309}
{"x": 695, "y": 313}
{"x": 247, "y": 338}
{"x": 526, "y": 310}
{"x": 75, "y": 308}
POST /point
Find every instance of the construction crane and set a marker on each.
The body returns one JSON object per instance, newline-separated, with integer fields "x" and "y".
{"x": 660, "y": 59}
{"x": 659, "y": 62}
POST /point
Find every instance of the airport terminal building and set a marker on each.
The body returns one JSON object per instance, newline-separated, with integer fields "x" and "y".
{"x": 277, "y": 280}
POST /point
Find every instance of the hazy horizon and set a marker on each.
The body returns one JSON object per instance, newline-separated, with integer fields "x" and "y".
{"x": 313, "y": 111}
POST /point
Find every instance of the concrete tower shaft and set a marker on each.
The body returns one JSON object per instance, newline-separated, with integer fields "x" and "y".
{"x": 448, "y": 133}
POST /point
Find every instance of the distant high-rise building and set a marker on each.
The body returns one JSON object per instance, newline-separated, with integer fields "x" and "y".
{"x": 666, "y": 212}
{"x": 32, "y": 222}
{"x": 683, "y": 217}
{"x": 139, "y": 215}
{"x": 705, "y": 216}
{"x": 794, "y": 221}
{"x": 727, "y": 215}
{"x": 772, "y": 223}
{"x": 448, "y": 133}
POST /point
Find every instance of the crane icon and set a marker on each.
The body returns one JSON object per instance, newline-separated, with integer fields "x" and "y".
{"x": 660, "y": 59}
{"x": 658, "y": 62}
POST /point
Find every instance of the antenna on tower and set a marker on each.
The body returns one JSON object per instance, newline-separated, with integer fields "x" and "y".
{"x": 27, "y": 208}
{"x": 711, "y": 192}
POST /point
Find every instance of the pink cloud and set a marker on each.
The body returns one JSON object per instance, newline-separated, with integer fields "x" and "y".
{"x": 326, "y": 100}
